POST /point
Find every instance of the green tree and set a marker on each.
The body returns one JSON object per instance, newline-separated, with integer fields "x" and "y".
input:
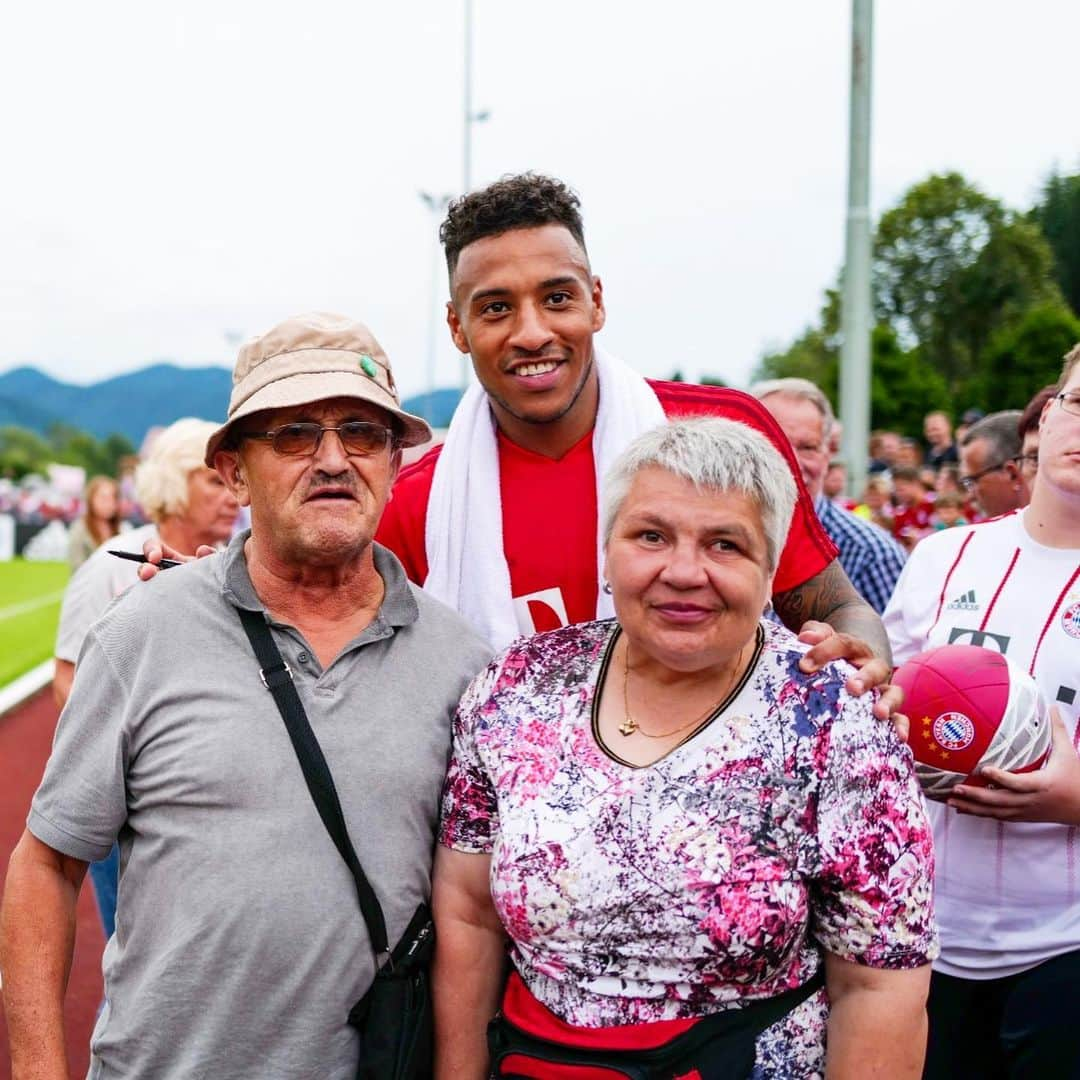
{"x": 904, "y": 387}
{"x": 951, "y": 266}
{"x": 1057, "y": 213}
{"x": 71, "y": 446}
{"x": 1025, "y": 356}
{"x": 814, "y": 355}
{"x": 810, "y": 356}
{"x": 23, "y": 452}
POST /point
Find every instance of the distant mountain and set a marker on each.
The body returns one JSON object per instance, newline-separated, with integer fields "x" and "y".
{"x": 436, "y": 408}
{"x": 129, "y": 404}
{"x": 132, "y": 404}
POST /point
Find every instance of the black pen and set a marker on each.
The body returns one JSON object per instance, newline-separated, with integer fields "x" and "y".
{"x": 164, "y": 564}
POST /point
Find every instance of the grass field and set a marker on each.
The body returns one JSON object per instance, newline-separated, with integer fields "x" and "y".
{"x": 30, "y": 594}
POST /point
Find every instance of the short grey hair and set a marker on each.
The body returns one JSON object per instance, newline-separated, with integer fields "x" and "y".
{"x": 1001, "y": 433}
{"x": 161, "y": 480}
{"x": 804, "y": 390}
{"x": 713, "y": 455}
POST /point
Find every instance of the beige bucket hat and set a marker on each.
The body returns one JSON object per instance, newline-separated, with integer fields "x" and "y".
{"x": 310, "y": 358}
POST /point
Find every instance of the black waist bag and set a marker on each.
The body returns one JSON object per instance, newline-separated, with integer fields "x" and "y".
{"x": 393, "y": 1018}
{"x": 720, "y": 1046}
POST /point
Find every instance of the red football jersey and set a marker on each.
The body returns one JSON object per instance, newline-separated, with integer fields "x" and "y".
{"x": 549, "y": 513}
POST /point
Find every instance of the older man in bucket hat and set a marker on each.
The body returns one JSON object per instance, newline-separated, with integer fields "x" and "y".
{"x": 240, "y": 946}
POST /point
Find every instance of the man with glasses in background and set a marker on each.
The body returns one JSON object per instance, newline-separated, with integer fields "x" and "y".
{"x": 990, "y": 466}
{"x": 240, "y": 946}
{"x": 1007, "y": 886}
{"x": 871, "y": 558}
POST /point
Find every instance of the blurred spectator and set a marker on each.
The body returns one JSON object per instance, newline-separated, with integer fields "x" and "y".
{"x": 884, "y": 448}
{"x": 928, "y": 476}
{"x": 870, "y": 557}
{"x": 1027, "y": 428}
{"x": 971, "y": 416}
{"x": 914, "y": 509}
{"x": 947, "y": 481}
{"x": 909, "y": 454}
{"x": 941, "y": 449}
{"x": 990, "y": 465}
{"x": 876, "y": 505}
{"x": 189, "y": 505}
{"x": 99, "y": 520}
{"x": 130, "y": 510}
{"x": 949, "y": 510}
{"x": 835, "y": 484}
{"x": 836, "y": 437}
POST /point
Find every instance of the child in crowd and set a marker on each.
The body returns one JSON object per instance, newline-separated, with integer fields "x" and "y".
{"x": 835, "y": 484}
{"x": 876, "y": 506}
{"x": 914, "y": 508}
{"x": 949, "y": 510}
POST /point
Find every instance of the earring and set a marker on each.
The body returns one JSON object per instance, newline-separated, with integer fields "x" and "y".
{"x": 606, "y": 587}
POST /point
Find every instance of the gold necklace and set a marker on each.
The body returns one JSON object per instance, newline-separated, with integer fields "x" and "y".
{"x": 630, "y": 725}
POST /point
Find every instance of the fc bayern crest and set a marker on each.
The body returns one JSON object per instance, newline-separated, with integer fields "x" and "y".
{"x": 953, "y": 731}
{"x": 1070, "y": 620}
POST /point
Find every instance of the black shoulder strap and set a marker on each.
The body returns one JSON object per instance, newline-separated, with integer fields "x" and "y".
{"x": 277, "y": 678}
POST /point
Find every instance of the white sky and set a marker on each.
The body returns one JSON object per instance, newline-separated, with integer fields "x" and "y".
{"x": 179, "y": 174}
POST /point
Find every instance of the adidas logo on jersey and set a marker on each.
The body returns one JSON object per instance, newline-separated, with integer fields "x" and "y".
{"x": 964, "y": 602}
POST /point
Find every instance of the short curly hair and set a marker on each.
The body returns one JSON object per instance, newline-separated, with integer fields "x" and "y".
{"x": 526, "y": 201}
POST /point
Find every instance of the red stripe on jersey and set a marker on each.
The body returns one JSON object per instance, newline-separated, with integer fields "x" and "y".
{"x": 948, "y": 577}
{"x": 1050, "y": 618}
{"x": 997, "y": 592}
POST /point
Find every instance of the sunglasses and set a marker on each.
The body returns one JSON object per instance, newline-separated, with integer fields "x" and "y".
{"x": 358, "y": 437}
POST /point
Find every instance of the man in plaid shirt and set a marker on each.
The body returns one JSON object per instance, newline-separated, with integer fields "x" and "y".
{"x": 870, "y": 557}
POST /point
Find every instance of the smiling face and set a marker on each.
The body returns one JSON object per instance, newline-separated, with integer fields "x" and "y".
{"x": 319, "y": 510}
{"x": 688, "y": 571}
{"x": 525, "y": 307}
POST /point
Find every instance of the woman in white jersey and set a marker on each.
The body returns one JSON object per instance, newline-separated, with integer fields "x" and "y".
{"x": 1007, "y": 882}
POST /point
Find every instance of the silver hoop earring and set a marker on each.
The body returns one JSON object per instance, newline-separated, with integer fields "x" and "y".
{"x": 606, "y": 587}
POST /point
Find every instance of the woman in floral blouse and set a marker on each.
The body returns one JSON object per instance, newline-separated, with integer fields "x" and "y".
{"x": 672, "y": 822}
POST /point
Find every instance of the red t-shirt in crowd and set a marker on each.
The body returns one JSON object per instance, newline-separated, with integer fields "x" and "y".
{"x": 549, "y": 513}
{"x": 915, "y": 521}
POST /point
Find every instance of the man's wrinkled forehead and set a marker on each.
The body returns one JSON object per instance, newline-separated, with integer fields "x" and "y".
{"x": 328, "y": 410}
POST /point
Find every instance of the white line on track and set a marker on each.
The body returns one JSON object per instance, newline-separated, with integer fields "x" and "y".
{"x": 29, "y": 605}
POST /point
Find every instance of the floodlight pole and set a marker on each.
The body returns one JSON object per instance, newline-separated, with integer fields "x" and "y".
{"x": 856, "y": 322}
{"x": 466, "y": 155}
{"x": 437, "y": 205}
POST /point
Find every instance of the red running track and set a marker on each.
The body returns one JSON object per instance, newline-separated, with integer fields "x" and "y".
{"x": 25, "y": 738}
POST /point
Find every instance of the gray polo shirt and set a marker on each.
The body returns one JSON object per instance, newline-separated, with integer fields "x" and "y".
{"x": 239, "y": 944}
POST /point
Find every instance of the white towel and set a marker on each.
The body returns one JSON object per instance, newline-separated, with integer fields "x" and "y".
{"x": 463, "y": 533}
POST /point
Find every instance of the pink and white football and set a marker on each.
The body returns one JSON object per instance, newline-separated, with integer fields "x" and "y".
{"x": 971, "y": 707}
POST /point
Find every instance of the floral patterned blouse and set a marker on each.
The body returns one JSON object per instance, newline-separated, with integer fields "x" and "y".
{"x": 790, "y": 823}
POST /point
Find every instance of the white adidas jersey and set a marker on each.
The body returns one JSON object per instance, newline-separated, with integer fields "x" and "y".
{"x": 1007, "y": 895}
